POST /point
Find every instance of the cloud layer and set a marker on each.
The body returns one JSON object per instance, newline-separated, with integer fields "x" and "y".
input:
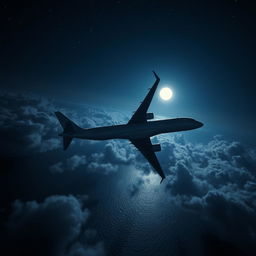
{"x": 216, "y": 181}
{"x": 56, "y": 226}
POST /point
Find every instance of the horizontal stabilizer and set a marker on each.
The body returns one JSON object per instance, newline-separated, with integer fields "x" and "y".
{"x": 66, "y": 142}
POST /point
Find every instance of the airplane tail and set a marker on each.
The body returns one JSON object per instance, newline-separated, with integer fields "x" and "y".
{"x": 69, "y": 129}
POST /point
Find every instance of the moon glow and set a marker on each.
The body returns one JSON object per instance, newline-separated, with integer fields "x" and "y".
{"x": 166, "y": 93}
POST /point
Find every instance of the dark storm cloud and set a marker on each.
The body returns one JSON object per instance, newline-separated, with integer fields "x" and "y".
{"x": 56, "y": 226}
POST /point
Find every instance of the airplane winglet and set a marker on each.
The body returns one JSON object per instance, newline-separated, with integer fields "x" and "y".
{"x": 156, "y": 76}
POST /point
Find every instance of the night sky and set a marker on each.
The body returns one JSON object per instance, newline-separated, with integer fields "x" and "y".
{"x": 93, "y": 61}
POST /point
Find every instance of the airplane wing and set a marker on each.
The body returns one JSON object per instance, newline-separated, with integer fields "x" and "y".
{"x": 140, "y": 116}
{"x": 146, "y": 148}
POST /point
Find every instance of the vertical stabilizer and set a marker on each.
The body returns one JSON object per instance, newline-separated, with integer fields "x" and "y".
{"x": 69, "y": 129}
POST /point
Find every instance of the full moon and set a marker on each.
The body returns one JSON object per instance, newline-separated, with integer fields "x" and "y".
{"x": 165, "y": 93}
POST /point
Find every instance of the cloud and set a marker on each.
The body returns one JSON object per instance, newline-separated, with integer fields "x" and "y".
{"x": 57, "y": 168}
{"x": 134, "y": 188}
{"x": 70, "y": 164}
{"x": 111, "y": 157}
{"x": 232, "y": 213}
{"x": 217, "y": 163}
{"x": 56, "y": 226}
{"x": 216, "y": 181}
{"x": 183, "y": 182}
{"x": 119, "y": 152}
{"x": 104, "y": 168}
{"x": 27, "y": 124}
{"x": 75, "y": 161}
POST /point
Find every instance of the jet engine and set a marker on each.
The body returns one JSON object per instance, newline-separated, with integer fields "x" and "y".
{"x": 150, "y": 116}
{"x": 156, "y": 147}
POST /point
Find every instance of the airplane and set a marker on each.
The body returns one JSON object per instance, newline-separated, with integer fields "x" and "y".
{"x": 138, "y": 130}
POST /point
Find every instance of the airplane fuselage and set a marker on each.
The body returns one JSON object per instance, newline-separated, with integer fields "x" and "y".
{"x": 137, "y": 131}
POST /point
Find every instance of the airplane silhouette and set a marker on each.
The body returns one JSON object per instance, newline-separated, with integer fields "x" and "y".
{"x": 138, "y": 130}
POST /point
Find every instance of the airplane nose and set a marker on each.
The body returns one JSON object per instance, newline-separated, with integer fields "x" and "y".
{"x": 200, "y": 124}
